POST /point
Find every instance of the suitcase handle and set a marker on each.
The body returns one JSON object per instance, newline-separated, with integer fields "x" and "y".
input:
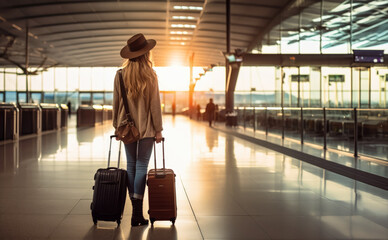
{"x": 164, "y": 166}
{"x": 110, "y": 147}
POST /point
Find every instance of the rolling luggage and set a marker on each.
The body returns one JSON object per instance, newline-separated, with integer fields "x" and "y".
{"x": 161, "y": 192}
{"x": 110, "y": 191}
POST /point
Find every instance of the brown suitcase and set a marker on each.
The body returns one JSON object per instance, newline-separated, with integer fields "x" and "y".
{"x": 161, "y": 193}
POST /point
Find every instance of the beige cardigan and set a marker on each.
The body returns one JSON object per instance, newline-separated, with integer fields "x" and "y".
{"x": 146, "y": 112}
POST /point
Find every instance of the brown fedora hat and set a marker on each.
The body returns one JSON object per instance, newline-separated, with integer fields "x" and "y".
{"x": 136, "y": 46}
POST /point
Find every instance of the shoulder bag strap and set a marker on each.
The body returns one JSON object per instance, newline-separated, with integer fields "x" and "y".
{"x": 124, "y": 96}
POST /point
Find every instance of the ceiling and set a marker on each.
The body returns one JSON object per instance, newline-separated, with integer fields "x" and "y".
{"x": 91, "y": 33}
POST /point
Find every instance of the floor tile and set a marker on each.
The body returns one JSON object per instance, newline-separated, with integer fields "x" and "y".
{"x": 82, "y": 227}
{"x": 230, "y": 227}
{"x": 27, "y": 226}
{"x": 293, "y": 227}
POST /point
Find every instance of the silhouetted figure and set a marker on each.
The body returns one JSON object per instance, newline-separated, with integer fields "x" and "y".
{"x": 198, "y": 112}
{"x": 216, "y": 112}
{"x": 173, "y": 107}
{"x": 69, "y": 107}
{"x": 210, "y": 108}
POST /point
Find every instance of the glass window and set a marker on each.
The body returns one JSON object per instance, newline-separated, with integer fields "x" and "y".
{"x": 60, "y": 79}
{"x": 61, "y": 97}
{"x": 86, "y": 98}
{"x": 85, "y": 83}
{"x": 22, "y": 97}
{"x": 21, "y": 80}
{"x": 290, "y": 35}
{"x": 379, "y": 87}
{"x": 309, "y": 32}
{"x": 98, "y": 98}
{"x": 365, "y": 88}
{"x": 73, "y": 98}
{"x": 314, "y": 99}
{"x": 336, "y": 86}
{"x": 2, "y": 97}
{"x": 290, "y": 88}
{"x": 2, "y": 76}
{"x": 10, "y": 79}
{"x": 48, "y": 97}
{"x": 72, "y": 79}
{"x": 48, "y": 80}
{"x": 10, "y": 96}
{"x": 98, "y": 78}
{"x": 108, "y": 98}
{"x": 36, "y": 82}
{"x": 109, "y": 75}
{"x": 36, "y": 97}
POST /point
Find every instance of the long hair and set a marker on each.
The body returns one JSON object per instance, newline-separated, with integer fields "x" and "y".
{"x": 138, "y": 74}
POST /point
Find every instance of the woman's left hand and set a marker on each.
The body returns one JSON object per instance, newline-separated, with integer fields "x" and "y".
{"x": 158, "y": 137}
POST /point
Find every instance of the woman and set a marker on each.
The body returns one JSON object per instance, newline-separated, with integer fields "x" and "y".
{"x": 142, "y": 90}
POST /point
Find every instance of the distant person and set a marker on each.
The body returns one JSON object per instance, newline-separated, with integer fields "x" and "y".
{"x": 142, "y": 93}
{"x": 69, "y": 108}
{"x": 198, "y": 112}
{"x": 173, "y": 107}
{"x": 216, "y": 112}
{"x": 210, "y": 108}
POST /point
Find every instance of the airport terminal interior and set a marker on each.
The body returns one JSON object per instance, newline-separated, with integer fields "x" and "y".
{"x": 297, "y": 148}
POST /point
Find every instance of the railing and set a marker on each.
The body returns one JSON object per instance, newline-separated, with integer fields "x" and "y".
{"x": 358, "y": 131}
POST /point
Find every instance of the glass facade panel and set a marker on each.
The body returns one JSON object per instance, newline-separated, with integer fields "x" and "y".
{"x": 10, "y": 96}
{"x": 36, "y": 97}
{"x": 309, "y": 39}
{"x": 73, "y": 79}
{"x": 49, "y": 97}
{"x": 48, "y": 80}
{"x": 22, "y": 97}
{"x": 36, "y": 82}
{"x": 98, "y": 98}
{"x": 85, "y": 98}
{"x": 21, "y": 81}
{"x": 364, "y": 88}
{"x": 290, "y": 88}
{"x": 336, "y": 85}
{"x": 85, "y": 79}
{"x": 61, "y": 97}
{"x": 60, "y": 79}
{"x": 109, "y": 75}
{"x": 98, "y": 78}
{"x": 108, "y": 98}
{"x": 314, "y": 99}
{"x": 73, "y": 98}
{"x": 10, "y": 79}
{"x": 2, "y": 77}
{"x": 2, "y": 97}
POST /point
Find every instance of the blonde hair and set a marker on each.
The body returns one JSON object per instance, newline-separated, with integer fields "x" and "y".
{"x": 138, "y": 74}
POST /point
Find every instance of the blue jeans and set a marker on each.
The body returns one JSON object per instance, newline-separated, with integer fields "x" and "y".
{"x": 138, "y": 157}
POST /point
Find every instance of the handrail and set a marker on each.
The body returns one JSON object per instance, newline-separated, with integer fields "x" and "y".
{"x": 350, "y": 123}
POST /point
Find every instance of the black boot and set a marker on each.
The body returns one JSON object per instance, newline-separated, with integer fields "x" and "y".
{"x": 137, "y": 213}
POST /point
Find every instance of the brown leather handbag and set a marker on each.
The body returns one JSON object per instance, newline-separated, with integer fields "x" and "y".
{"x": 128, "y": 133}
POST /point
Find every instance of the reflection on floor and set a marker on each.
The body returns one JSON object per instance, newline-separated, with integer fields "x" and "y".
{"x": 227, "y": 188}
{"x": 371, "y": 165}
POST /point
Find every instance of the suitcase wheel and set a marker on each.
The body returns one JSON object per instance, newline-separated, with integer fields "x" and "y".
{"x": 173, "y": 221}
{"x": 95, "y": 221}
{"x": 152, "y": 221}
{"x": 118, "y": 222}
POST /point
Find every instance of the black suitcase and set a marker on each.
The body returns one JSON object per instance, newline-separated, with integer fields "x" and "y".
{"x": 110, "y": 191}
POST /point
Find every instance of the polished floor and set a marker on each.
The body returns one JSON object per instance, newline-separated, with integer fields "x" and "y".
{"x": 227, "y": 188}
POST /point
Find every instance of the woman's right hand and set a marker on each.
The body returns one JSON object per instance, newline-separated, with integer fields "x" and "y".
{"x": 158, "y": 137}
